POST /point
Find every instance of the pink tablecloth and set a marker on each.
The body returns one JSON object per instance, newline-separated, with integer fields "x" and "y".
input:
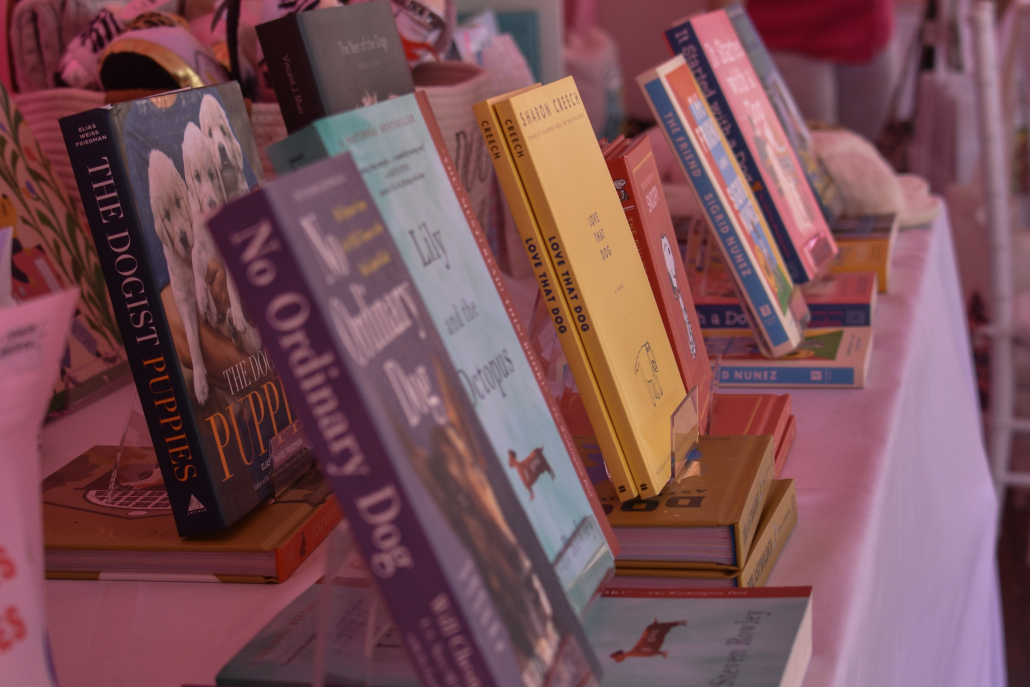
{"x": 896, "y": 530}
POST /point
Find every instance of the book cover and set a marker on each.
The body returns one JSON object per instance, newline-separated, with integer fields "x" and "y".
{"x": 866, "y": 244}
{"x": 754, "y": 414}
{"x": 428, "y": 500}
{"x": 603, "y": 280}
{"x": 708, "y": 513}
{"x": 639, "y": 186}
{"x": 50, "y": 251}
{"x": 700, "y": 637}
{"x": 334, "y": 60}
{"x": 773, "y": 306}
{"x": 827, "y": 358}
{"x": 779, "y": 517}
{"x": 819, "y": 180}
{"x": 742, "y": 109}
{"x": 600, "y": 428}
{"x": 108, "y": 517}
{"x": 426, "y": 211}
{"x": 148, "y": 171}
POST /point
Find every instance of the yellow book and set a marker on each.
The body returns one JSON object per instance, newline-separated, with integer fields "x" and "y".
{"x": 602, "y": 277}
{"x": 866, "y": 245}
{"x": 543, "y": 270}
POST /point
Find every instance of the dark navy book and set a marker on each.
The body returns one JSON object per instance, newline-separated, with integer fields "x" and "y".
{"x": 470, "y": 589}
{"x": 149, "y": 171}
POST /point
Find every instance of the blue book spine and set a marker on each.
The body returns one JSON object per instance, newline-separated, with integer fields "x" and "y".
{"x": 774, "y": 376}
{"x": 824, "y": 315}
{"x": 683, "y": 39}
{"x": 718, "y": 217}
{"x": 110, "y": 208}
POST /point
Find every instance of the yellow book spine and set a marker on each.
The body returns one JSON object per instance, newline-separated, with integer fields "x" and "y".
{"x": 864, "y": 255}
{"x": 650, "y": 472}
{"x": 543, "y": 270}
{"x": 778, "y": 520}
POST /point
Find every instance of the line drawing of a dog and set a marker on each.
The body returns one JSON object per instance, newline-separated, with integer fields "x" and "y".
{"x": 214, "y": 124}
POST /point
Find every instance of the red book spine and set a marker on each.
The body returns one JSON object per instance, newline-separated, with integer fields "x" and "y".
{"x": 290, "y": 555}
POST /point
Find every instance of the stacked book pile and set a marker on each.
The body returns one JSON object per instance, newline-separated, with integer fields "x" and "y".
{"x": 347, "y": 328}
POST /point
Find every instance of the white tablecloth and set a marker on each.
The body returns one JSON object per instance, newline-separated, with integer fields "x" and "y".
{"x": 896, "y": 531}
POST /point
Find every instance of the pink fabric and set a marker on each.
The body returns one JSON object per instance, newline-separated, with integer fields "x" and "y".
{"x": 842, "y": 31}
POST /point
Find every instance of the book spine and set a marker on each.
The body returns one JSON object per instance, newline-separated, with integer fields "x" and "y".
{"x": 291, "y": 72}
{"x": 684, "y": 40}
{"x": 557, "y": 306}
{"x": 297, "y": 150}
{"x": 744, "y": 531}
{"x": 767, "y": 548}
{"x": 380, "y": 511}
{"x": 824, "y": 315}
{"x": 731, "y": 375}
{"x": 509, "y": 307}
{"x": 290, "y": 555}
{"x": 748, "y": 283}
{"x": 646, "y": 483}
{"x": 111, "y": 212}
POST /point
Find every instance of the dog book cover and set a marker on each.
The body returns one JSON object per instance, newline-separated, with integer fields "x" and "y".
{"x": 429, "y": 502}
{"x": 149, "y": 172}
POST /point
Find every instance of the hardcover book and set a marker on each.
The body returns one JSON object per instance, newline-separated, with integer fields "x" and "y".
{"x": 707, "y": 514}
{"x": 591, "y": 248}
{"x": 334, "y": 60}
{"x": 107, "y": 516}
{"x": 755, "y": 414}
{"x": 639, "y": 186}
{"x": 779, "y": 517}
{"x": 676, "y": 637}
{"x": 739, "y": 104}
{"x": 826, "y": 192}
{"x": 828, "y": 358}
{"x": 424, "y": 208}
{"x": 599, "y": 431}
{"x": 49, "y": 253}
{"x": 148, "y": 171}
{"x": 428, "y": 500}
{"x": 866, "y": 245}
{"x": 773, "y": 305}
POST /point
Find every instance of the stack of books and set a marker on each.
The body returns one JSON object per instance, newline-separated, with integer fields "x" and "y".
{"x": 352, "y": 311}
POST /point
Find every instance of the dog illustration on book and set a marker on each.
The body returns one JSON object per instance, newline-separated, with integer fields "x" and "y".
{"x": 531, "y": 467}
{"x": 214, "y": 125}
{"x": 670, "y": 268}
{"x": 650, "y": 642}
{"x": 647, "y": 368}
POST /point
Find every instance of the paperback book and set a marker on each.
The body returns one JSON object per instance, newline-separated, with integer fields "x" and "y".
{"x": 866, "y": 245}
{"x": 334, "y": 60}
{"x": 106, "y": 515}
{"x": 638, "y": 183}
{"x": 773, "y": 305}
{"x": 828, "y": 358}
{"x": 427, "y": 498}
{"x": 707, "y": 514}
{"x": 590, "y": 245}
{"x": 739, "y": 104}
{"x": 754, "y": 414}
{"x": 425, "y": 210}
{"x": 149, "y": 171}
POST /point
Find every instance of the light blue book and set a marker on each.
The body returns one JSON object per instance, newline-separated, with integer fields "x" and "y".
{"x": 411, "y": 177}
{"x": 754, "y": 637}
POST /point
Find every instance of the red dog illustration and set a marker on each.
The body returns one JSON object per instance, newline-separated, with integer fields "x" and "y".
{"x": 650, "y": 642}
{"x": 531, "y": 467}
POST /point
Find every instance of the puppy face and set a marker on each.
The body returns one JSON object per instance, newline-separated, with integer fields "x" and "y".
{"x": 215, "y": 126}
{"x": 170, "y": 205}
{"x": 203, "y": 180}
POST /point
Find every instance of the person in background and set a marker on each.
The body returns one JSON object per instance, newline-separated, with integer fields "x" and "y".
{"x": 835, "y": 55}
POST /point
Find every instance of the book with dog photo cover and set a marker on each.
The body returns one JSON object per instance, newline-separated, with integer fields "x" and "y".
{"x": 397, "y": 146}
{"x": 430, "y": 503}
{"x": 149, "y": 172}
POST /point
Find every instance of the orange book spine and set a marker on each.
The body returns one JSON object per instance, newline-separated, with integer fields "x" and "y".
{"x": 290, "y": 555}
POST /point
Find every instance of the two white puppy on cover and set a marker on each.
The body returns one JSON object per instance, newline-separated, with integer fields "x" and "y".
{"x": 213, "y": 167}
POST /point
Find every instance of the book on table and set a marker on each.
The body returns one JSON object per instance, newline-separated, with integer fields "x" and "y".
{"x": 334, "y": 60}
{"x": 755, "y": 414}
{"x": 586, "y": 236}
{"x": 772, "y": 303}
{"x": 425, "y": 209}
{"x": 148, "y": 171}
{"x": 429, "y": 501}
{"x": 778, "y": 519}
{"x": 707, "y": 514}
{"x": 638, "y": 183}
{"x": 837, "y": 357}
{"x": 866, "y": 245}
{"x": 88, "y": 534}
{"x": 739, "y": 104}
